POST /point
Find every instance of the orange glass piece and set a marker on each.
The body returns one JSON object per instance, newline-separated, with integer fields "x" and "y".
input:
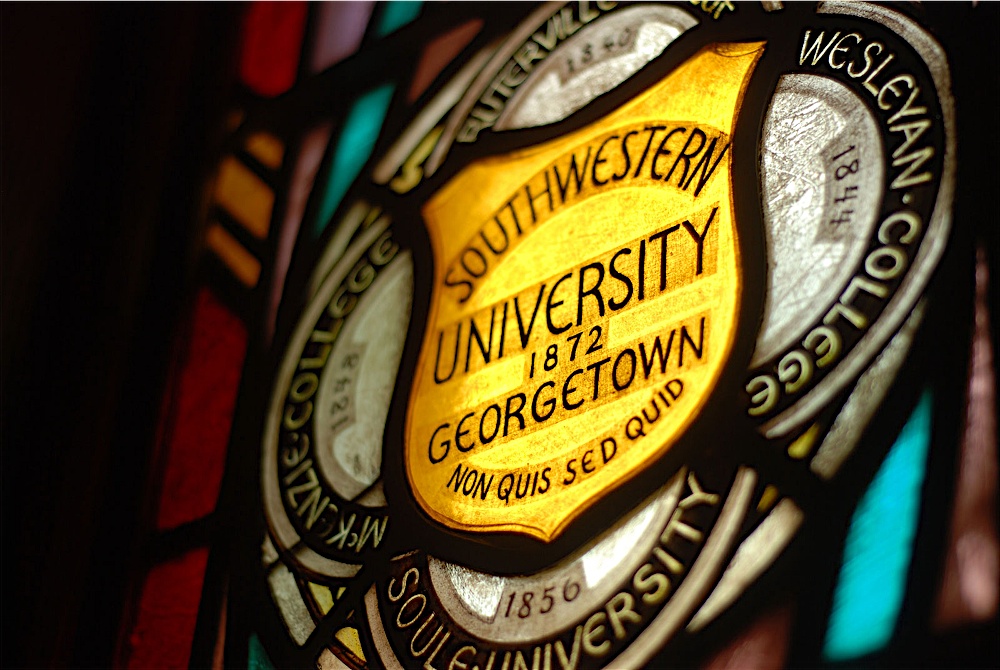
{"x": 244, "y": 265}
{"x": 242, "y": 193}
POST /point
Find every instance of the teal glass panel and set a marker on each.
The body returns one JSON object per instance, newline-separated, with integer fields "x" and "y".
{"x": 396, "y": 14}
{"x": 354, "y": 146}
{"x": 257, "y": 659}
{"x": 879, "y": 546}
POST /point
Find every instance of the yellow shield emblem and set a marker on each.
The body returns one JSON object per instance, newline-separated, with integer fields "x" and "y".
{"x": 585, "y": 301}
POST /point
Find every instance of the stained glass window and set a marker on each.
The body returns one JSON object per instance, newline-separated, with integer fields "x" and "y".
{"x": 555, "y": 336}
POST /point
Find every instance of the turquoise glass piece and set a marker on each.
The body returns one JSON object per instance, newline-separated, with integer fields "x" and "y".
{"x": 354, "y": 146}
{"x": 257, "y": 658}
{"x": 879, "y": 546}
{"x": 396, "y": 14}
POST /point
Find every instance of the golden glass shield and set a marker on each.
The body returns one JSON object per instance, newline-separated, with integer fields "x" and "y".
{"x": 585, "y": 300}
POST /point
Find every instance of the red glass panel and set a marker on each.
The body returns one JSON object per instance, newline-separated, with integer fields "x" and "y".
{"x": 168, "y": 610}
{"x": 201, "y": 413}
{"x": 272, "y": 42}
